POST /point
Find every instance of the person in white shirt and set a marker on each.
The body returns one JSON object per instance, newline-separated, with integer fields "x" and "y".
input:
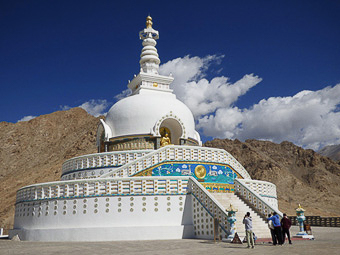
{"x": 272, "y": 231}
{"x": 248, "y": 224}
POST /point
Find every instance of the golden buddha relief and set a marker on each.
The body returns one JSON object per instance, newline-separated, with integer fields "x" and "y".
{"x": 165, "y": 136}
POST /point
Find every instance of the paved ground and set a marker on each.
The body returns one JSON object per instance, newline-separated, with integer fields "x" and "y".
{"x": 327, "y": 241}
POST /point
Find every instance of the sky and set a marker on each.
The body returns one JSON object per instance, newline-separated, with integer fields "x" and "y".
{"x": 267, "y": 70}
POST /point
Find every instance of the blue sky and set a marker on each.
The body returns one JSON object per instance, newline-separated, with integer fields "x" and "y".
{"x": 61, "y": 54}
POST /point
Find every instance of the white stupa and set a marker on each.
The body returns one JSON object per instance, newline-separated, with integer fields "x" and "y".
{"x": 150, "y": 179}
{"x": 151, "y": 108}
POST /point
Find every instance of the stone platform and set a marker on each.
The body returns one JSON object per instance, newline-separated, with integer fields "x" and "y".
{"x": 327, "y": 241}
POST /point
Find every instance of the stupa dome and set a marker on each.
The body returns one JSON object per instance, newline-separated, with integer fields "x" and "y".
{"x": 147, "y": 111}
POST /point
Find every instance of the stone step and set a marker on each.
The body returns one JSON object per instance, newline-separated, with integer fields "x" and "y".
{"x": 260, "y": 227}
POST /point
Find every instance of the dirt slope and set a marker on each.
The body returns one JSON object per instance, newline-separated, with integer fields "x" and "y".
{"x": 301, "y": 176}
{"x": 33, "y": 151}
{"x": 331, "y": 151}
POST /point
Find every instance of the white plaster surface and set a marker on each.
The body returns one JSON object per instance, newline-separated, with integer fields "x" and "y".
{"x": 106, "y": 218}
{"x": 106, "y": 233}
{"x": 138, "y": 114}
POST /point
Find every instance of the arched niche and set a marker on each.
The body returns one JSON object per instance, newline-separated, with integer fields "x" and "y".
{"x": 173, "y": 128}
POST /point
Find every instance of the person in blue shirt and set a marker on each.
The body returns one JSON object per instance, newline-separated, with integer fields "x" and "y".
{"x": 277, "y": 227}
{"x": 272, "y": 232}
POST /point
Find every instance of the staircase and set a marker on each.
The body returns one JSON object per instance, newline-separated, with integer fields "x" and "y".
{"x": 178, "y": 153}
{"x": 260, "y": 227}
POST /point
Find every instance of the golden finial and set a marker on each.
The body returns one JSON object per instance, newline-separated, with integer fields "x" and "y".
{"x": 300, "y": 208}
{"x": 231, "y": 208}
{"x": 148, "y": 22}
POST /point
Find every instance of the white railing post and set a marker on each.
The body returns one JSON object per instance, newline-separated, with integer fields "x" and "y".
{"x": 66, "y": 191}
{"x": 96, "y": 188}
{"x": 86, "y": 189}
{"x": 120, "y": 187}
{"x": 108, "y": 188}
{"x": 76, "y": 190}
{"x": 155, "y": 186}
{"x": 179, "y": 186}
{"x": 132, "y": 190}
{"x": 42, "y": 193}
{"x": 168, "y": 186}
{"x": 49, "y": 191}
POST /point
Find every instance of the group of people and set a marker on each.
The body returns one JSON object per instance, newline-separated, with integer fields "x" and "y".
{"x": 278, "y": 229}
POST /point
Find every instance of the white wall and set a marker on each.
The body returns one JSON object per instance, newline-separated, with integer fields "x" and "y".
{"x": 105, "y": 218}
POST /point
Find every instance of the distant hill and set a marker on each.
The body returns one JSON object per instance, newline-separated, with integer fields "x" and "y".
{"x": 301, "y": 176}
{"x": 33, "y": 152}
{"x": 331, "y": 151}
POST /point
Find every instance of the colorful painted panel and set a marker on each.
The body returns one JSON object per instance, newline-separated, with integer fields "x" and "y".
{"x": 219, "y": 187}
{"x": 203, "y": 172}
{"x": 214, "y": 177}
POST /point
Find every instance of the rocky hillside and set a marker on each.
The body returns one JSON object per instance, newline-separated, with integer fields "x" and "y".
{"x": 301, "y": 176}
{"x": 331, "y": 151}
{"x": 33, "y": 151}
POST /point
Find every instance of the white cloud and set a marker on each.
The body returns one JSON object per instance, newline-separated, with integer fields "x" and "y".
{"x": 200, "y": 95}
{"x": 123, "y": 94}
{"x": 95, "y": 107}
{"x": 309, "y": 118}
{"x": 65, "y": 107}
{"x": 27, "y": 118}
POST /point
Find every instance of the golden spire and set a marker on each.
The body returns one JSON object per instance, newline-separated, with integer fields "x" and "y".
{"x": 231, "y": 209}
{"x": 300, "y": 208}
{"x": 148, "y": 22}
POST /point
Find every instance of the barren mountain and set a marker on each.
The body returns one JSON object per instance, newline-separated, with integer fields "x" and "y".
{"x": 33, "y": 152}
{"x": 301, "y": 176}
{"x": 331, "y": 151}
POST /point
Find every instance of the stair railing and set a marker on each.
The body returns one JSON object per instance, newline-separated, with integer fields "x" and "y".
{"x": 103, "y": 159}
{"x": 254, "y": 199}
{"x": 138, "y": 164}
{"x": 210, "y": 204}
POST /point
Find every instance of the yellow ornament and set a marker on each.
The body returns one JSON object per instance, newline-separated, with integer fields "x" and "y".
{"x": 200, "y": 172}
{"x": 148, "y": 22}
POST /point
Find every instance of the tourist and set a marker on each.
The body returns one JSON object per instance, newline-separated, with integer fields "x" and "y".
{"x": 286, "y": 224}
{"x": 248, "y": 224}
{"x": 277, "y": 227}
{"x": 272, "y": 231}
